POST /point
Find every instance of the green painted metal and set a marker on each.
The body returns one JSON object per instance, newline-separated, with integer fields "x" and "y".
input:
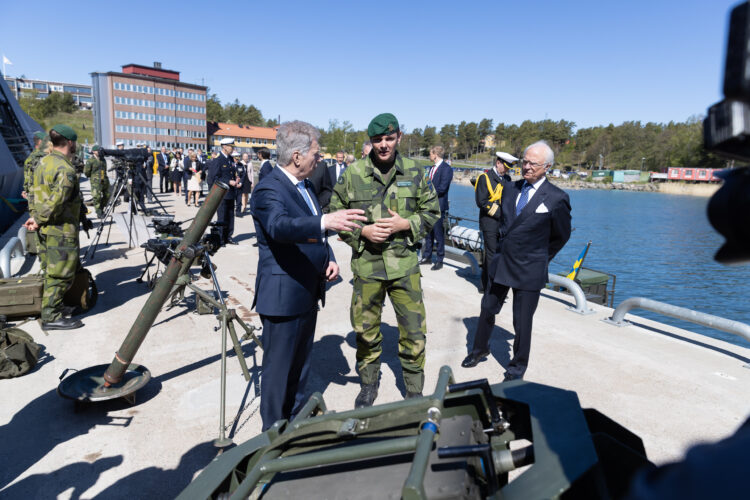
{"x": 146, "y": 317}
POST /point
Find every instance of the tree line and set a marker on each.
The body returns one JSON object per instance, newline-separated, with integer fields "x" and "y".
{"x": 41, "y": 109}
{"x": 236, "y": 113}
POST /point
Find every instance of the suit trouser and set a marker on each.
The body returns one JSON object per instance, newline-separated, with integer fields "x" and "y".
{"x": 287, "y": 344}
{"x": 164, "y": 186}
{"x": 184, "y": 187}
{"x": 490, "y": 249}
{"x": 438, "y": 234}
{"x": 225, "y": 215}
{"x": 150, "y": 184}
{"x": 524, "y": 305}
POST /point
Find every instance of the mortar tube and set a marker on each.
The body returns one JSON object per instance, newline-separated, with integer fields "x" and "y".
{"x": 146, "y": 317}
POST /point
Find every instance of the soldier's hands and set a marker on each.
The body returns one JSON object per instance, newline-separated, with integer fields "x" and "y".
{"x": 332, "y": 272}
{"x": 344, "y": 220}
{"x": 375, "y": 233}
{"x": 31, "y": 224}
{"x": 393, "y": 224}
{"x": 23, "y": 195}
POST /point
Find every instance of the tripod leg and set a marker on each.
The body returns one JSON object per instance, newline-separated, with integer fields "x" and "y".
{"x": 223, "y": 441}
{"x": 250, "y": 331}
{"x": 238, "y": 350}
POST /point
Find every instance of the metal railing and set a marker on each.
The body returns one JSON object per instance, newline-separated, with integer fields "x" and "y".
{"x": 575, "y": 290}
{"x": 13, "y": 250}
{"x": 699, "y": 318}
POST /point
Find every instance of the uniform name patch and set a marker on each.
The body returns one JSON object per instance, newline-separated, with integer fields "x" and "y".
{"x": 403, "y": 183}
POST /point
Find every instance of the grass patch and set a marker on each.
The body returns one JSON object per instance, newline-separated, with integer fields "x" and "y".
{"x": 82, "y": 121}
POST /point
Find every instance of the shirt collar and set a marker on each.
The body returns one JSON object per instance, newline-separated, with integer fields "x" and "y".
{"x": 289, "y": 176}
{"x": 538, "y": 183}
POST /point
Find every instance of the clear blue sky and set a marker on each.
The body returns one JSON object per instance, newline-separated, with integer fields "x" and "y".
{"x": 428, "y": 62}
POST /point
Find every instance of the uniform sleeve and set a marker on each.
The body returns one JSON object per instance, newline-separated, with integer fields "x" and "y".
{"x": 87, "y": 168}
{"x": 427, "y": 213}
{"x": 340, "y": 201}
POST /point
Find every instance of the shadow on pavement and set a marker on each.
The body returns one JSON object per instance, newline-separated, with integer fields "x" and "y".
{"x": 499, "y": 338}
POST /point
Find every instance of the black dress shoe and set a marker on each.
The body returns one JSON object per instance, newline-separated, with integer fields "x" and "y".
{"x": 437, "y": 266}
{"x": 230, "y": 241}
{"x": 473, "y": 360}
{"x": 426, "y": 261}
{"x": 366, "y": 396}
{"x": 62, "y": 324}
{"x": 509, "y": 376}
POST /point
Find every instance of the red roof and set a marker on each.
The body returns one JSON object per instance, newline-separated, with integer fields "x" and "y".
{"x": 232, "y": 130}
{"x": 137, "y": 69}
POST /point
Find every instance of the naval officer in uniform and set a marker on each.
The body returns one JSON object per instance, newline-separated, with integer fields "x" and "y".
{"x": 222, "y": 169}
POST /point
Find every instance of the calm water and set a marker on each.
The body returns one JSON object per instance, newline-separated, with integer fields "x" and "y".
{"x": 659, "y": 246}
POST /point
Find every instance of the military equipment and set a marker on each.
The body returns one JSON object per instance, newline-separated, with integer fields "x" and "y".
{"x": 18, "y": 351}
{"x": 121, "y": 378}
{"x": 21, "y": 297}
{"x": 462, "y": 441}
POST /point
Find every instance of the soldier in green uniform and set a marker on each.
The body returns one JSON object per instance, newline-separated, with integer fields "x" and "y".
{"x": 401, "y": 206}
{"x": 96, "y": 171}
{"x": 58, "y": 211}
{"x": 29, "y": 165}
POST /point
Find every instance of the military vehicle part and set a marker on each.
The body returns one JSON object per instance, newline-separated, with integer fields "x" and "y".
{"x": 93, "y": 383}
{"x": 88, "y": 385}
{"x": 459, "y": 442}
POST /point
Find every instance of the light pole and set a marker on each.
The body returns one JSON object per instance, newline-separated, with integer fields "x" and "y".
{"x": 642, "y": 162}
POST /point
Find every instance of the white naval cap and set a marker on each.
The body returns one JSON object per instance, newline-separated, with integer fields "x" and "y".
{"x": 119, "y": 143}
{"x": 506, "y": 157}
{"x": 235, "y": 153}
{"x": 227, "y": 141}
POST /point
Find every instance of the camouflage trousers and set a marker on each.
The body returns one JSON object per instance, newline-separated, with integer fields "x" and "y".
{"x": 367, "y": 306}
{"x": 59, "y": 258}
{"x": 100, "y": 195}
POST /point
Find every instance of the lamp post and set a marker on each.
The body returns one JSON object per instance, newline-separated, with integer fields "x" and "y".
{"x": 643, "y": 160}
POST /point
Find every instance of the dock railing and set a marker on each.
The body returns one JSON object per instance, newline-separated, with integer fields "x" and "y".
{"x": 575, "y": 290}
{"x": 683, "y": 313}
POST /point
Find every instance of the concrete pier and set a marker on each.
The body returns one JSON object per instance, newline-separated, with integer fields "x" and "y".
{"x": 672, "y": 387}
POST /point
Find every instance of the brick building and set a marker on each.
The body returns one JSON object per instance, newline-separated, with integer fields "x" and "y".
{"x": 247, "y": 138}
{"x": 148, "y": 104}
{"x": 27, "y": 87}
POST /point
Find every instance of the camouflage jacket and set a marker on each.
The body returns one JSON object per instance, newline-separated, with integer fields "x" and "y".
{"x": 96, "y": 170}
{"x": 404, "y": 189}
{"x": 29, "y": 166}
{"x": 57, "y": 204}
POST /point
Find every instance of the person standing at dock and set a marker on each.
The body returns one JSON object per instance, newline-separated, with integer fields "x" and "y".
{"x": 535, "y": 226}
{"x": 441, "y": 175}
{"x": 488, "y": 191}
{"x": 401, "y": 207}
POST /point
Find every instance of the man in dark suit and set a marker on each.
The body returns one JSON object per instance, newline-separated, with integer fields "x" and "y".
{"x": 222, "y": 169}
{"x": 294, "y": 262}
{"x": 264, "y": 155}
{"x": 335, "y": 170}
{"x": 441, "y": 175}
{"x": 163, "y": 169}
{"x": 535, "y": 226}
{"x": 321, "y": 182}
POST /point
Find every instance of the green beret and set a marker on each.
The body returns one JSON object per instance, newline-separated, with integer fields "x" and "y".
{"x": 40, "y": 135}
{"x": 96, "y": 148}
{"x": 384, "y": 123}
{"x": 66, "y": 132}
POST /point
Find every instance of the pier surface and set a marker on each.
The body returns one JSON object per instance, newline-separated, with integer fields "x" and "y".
{"x": 672, "y": 387}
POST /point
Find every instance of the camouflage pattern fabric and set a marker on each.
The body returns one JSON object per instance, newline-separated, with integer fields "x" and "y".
{"x": 58, "y": 210}
{"x": 390, "y": 267}
{"x": 96, "y": 171}
{"x": 29, "y": 166}
{"x": 405, "y": 190}
{"x": 367, "y": 305}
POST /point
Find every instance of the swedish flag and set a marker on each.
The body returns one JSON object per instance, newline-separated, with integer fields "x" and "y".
{"x": 578, "y": 263}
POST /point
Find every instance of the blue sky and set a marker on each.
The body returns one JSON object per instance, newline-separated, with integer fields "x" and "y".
{"x": 429, "y": 63}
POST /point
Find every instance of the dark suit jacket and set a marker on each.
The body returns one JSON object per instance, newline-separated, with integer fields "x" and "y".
{"x": 265, "y": 169}
{"x": 441, "y": 181}
{"x": 293, "y": 253}
{"x": 528, "y": 242}
{"x": 332, "y": 173}
{"x": 163, "y": 162}
{"x": 322, "y": 185}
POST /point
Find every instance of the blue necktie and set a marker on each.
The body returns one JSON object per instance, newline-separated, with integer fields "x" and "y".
{"x": 524, "y": 199}
{"x": 303, "y": 191}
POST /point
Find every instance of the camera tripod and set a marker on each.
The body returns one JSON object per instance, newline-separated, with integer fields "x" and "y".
{"x": 121, "y": 185}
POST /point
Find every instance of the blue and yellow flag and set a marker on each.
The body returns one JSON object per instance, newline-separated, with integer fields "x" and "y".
{"x": 578, "y": 263}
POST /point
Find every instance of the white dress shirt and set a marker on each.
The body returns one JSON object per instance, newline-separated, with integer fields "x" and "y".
{"x": 534, "y": 188}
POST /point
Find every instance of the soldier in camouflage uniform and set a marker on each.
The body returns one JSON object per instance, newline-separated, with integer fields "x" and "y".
{"x": 96, "y": 171}
{"x": 32, "y": 241}
{"x": 401, "y": 207}
{"x": 58, "y": 211}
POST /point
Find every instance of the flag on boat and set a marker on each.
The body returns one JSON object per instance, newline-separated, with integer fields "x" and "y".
{"x": 578, "y": 263}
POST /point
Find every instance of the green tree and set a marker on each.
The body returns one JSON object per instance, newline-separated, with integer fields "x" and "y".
{"x": 214, "y": 109}
{"x": 448, "y": 137}
{"x": 429, "y": 139}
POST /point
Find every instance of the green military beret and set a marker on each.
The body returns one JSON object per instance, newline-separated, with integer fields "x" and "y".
{"x": 96, "y": 148}
{"x": 40, "y": 135}
{"x": 384, "y": 123}
{"x": 66, "y": 132}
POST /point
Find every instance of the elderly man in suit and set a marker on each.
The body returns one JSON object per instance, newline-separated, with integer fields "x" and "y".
{"x": 441, "y": 175}
{"x": 535, "y": 226}
{"x": 294, "y": 263}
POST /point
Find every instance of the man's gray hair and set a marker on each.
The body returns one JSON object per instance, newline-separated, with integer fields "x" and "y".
{"x": 294, "y": 136}
{"x": 549, "y": 155}
{"x": 364, "y": 146}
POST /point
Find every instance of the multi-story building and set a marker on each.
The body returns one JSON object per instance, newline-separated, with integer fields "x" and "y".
{"x": 27, "y": 87}
{"x": 150, "y": 105}
{"x": 247, "y": 138}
